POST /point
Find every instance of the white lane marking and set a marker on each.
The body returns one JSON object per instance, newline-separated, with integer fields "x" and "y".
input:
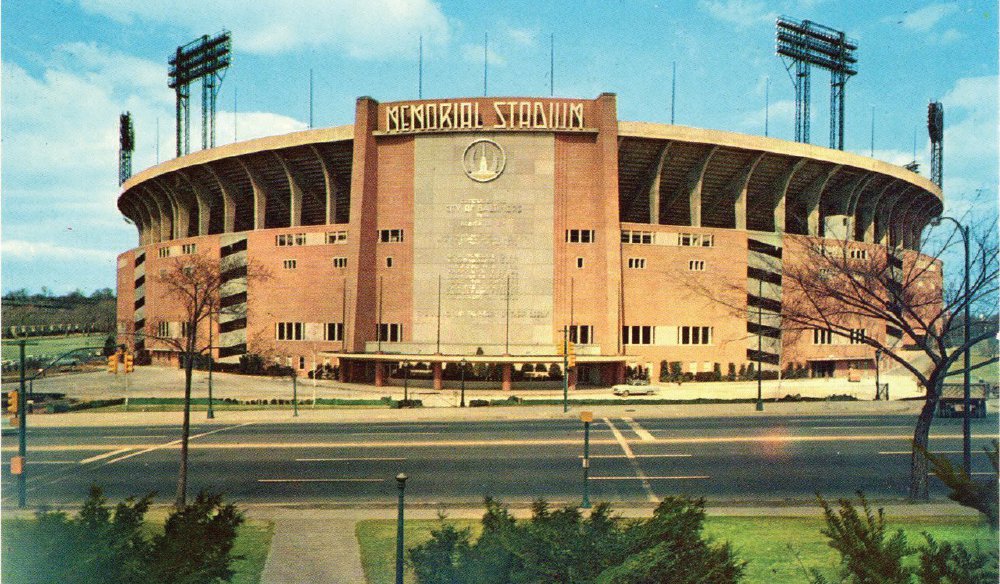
{"x": 853, "y": 427}
{"x": 387, "y": 433}
{"x": 320, "y": 480}
{"x": 173, "y": 443}
{"x": 657, "y": 478}
{"x": 931, "y": 474}
{"x": 372, "y": 459}
{"x": 900, "y": 452}
{"x": 639, "y": 456}
{"x": 641, "y": 432}
{"x": 50, "y": 462}
{"x": 126, "y": 437}
{"x": 650, "y": 495}
{"x": 105, "y": 455}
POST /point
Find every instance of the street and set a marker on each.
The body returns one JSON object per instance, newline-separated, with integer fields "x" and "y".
{"x": 755, "y": 459}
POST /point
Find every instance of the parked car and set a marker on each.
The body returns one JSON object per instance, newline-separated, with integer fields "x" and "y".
{"x": 630, "y": 389}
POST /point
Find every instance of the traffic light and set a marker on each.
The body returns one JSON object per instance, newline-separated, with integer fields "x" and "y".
{"x": 12, "y": 402}
{"x": 571, "y": 354}
{"x": 113, "y": 364}
{"x": 129, "y": 366}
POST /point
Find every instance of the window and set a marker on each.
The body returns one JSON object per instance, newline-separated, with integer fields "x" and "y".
{"x": 857, "y": 336}
{"x": 694, "y": 335}
{"x": 637, "y": 263}
{"x": 580, "y": 236}
{"x": 581, "y": 333}
{"x": 696, "y": 265}
{"x": 290, "y": 239}
{"x": 336, "y": 236}
{"x": 340, "y": 262}
{"x": 164, "y": 252}
{"x": 388, "y": 262}
{"x": 288, "y": 331}
{"x": 390, "y": 332}
{"x": 640, "y": 237}
{"x": 579, "y": 262}
{"x": 163, "y": 329}
{"x": 696, "y": 239}
{"x": 637, "y": 335}
{"x": 333, "y": 331}
{"x": 302, "y": 362}
{"x": 822, "y": 337}
{"x": 189, "y": 248}
{"x": 289, "y": 264}
{"x": 858, "y": 254}
{"x": 184, "y": 329}
{"x": 390, "y": 235}
{"x": 825, "y": 273}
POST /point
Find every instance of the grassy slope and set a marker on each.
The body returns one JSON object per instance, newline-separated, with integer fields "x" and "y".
{"x": 53, "y": 346}
{"x": 774, "y": 547}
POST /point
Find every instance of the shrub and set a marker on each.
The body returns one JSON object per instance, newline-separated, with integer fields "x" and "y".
{"x": 731, "y": 375}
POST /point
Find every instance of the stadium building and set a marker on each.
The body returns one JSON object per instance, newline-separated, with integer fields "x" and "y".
{"x": 475, "y": 229}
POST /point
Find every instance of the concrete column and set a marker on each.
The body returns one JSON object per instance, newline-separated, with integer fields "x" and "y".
{"x": 260, "y": 195}
{"x": 736, "y": 193}
{"x": 781, "y": 191}
{"x": 654, "y": 187}
{"x": 438, "y": 381}
{"x": 696, "y": 181}
{"x": 507, "y": 367}
{"x": 379, "y": 374}
{"x": 328, "y": 182}
{"x": 812, "y": 196}
{"x": 228, "y": 201}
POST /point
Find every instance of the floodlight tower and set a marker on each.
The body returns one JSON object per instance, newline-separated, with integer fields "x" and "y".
{"x": 805, "y": 44}
{"x": 205, "y": 59}
{"x": 126, "y": 146}
{"x": 935, "y": 127}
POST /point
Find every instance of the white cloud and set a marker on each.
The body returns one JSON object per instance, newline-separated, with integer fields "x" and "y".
{"x": 474, "y": 54}
{"x": 742, "y": 13}
{"x": 365, "y": 30}
{"x": 521, "y": 36}
{"x": 18, "y": 249}
{"x": 924, "y": 19}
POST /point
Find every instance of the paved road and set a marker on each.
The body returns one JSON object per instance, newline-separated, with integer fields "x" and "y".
{"x": 767, "y": 459}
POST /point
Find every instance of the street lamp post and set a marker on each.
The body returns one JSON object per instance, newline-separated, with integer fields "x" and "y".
{"x": 295, "y": 394}
{"x": 966, "y": 300}
{"x": 211, "y": 358}
{"x": 462, "y": 404}
{"x": 401, "y": 483}
{"x": 760, "y": 336}
{"x": 587, "y": 417}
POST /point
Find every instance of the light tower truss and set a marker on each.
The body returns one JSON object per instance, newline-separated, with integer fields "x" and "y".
{"x": 805, "y": 44}
{"x": 126, "y": 146}
{"x": 205, "y": 59}
{"x": 935, "y": 127}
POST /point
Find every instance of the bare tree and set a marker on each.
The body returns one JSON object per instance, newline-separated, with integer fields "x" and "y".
{"x": 196, "y": 284}
{"x": 858, "y": 291}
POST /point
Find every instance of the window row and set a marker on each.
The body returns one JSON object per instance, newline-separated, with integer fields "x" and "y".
{"x": 292, "y": 239}
{"x": 580, "y": 236}
{"x": 341, "y": 262}
{"x": 682, "y": 239}
{"x": 172, "y": 330}
{"x": 686, "y": 335}
{"x": 300, "y": 331}
{"x": 582, "y": 334}
{"x": 185, "y": 249}
{"x": 390, "y": 236}
{"x": 828, "y": 337}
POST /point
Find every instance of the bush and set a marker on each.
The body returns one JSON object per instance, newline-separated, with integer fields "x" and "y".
{"x": 562, "y": 546}
{"x": 478, "y": 403}
{"x": 101, "y": 545}
{"x": 731, "y": 375}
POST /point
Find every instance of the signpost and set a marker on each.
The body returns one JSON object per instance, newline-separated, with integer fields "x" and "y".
{"x": 586, "y": 417}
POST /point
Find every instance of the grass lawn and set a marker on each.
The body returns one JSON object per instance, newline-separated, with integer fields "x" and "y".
{"x": 252, "y": 543}
{"x": 52, "y": 346}
{"x": 774, "y": 547}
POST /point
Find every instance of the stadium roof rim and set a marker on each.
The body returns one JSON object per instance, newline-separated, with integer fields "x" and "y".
{"x": 646, "y": 130}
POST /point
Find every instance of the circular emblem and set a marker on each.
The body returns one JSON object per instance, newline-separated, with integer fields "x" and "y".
{"x": 484, "y": 160}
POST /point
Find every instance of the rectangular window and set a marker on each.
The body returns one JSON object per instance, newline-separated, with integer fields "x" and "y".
{"x": 390, "y": 332}
{"x": 302, "y": 362}
{"x": 336, "y": 236}
{"x": 188, "y": 248}
{"x": 164, "y": 252}
{"x": 579, "y": 262}
{"x": 390, "y": 235}
{"x": 857, "y": 336}
{"x": 388, "y": 262}
{"x": 822, "y": 337}
{"x": 640, "y": 237}
{"x": 858, "y": 254}
{"x": 333, "y": 331}
{"x": 184, "y": 329}
{"x": 288, "y": 331}
{"x": 696, "y": 265}
{"x": 580, "y": 236}
{"x": 289, "y": 264}
{"x": 637, "y": 335}
{"x": 340, "y": 262}
{"x": 694, "y": 335}
{"x": 288, "y": 239}
{"x": 163, "y": 329}
{"x": 581, "y": 333}
{"x": 696, "y": 239}
{"x": 637, "y": 263}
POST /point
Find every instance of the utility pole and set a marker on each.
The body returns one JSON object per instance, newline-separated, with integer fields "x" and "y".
{"x": 22, "y": 434}
{"x": 565, "y": 351}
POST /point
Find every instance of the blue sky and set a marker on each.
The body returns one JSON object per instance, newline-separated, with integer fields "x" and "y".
{"x": 70, "y": 67}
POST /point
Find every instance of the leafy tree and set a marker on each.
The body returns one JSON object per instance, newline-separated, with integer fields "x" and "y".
{"x": 978, "y": 495}
{"x": 196, "y": 542}
{"x": 561, "y": 545}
